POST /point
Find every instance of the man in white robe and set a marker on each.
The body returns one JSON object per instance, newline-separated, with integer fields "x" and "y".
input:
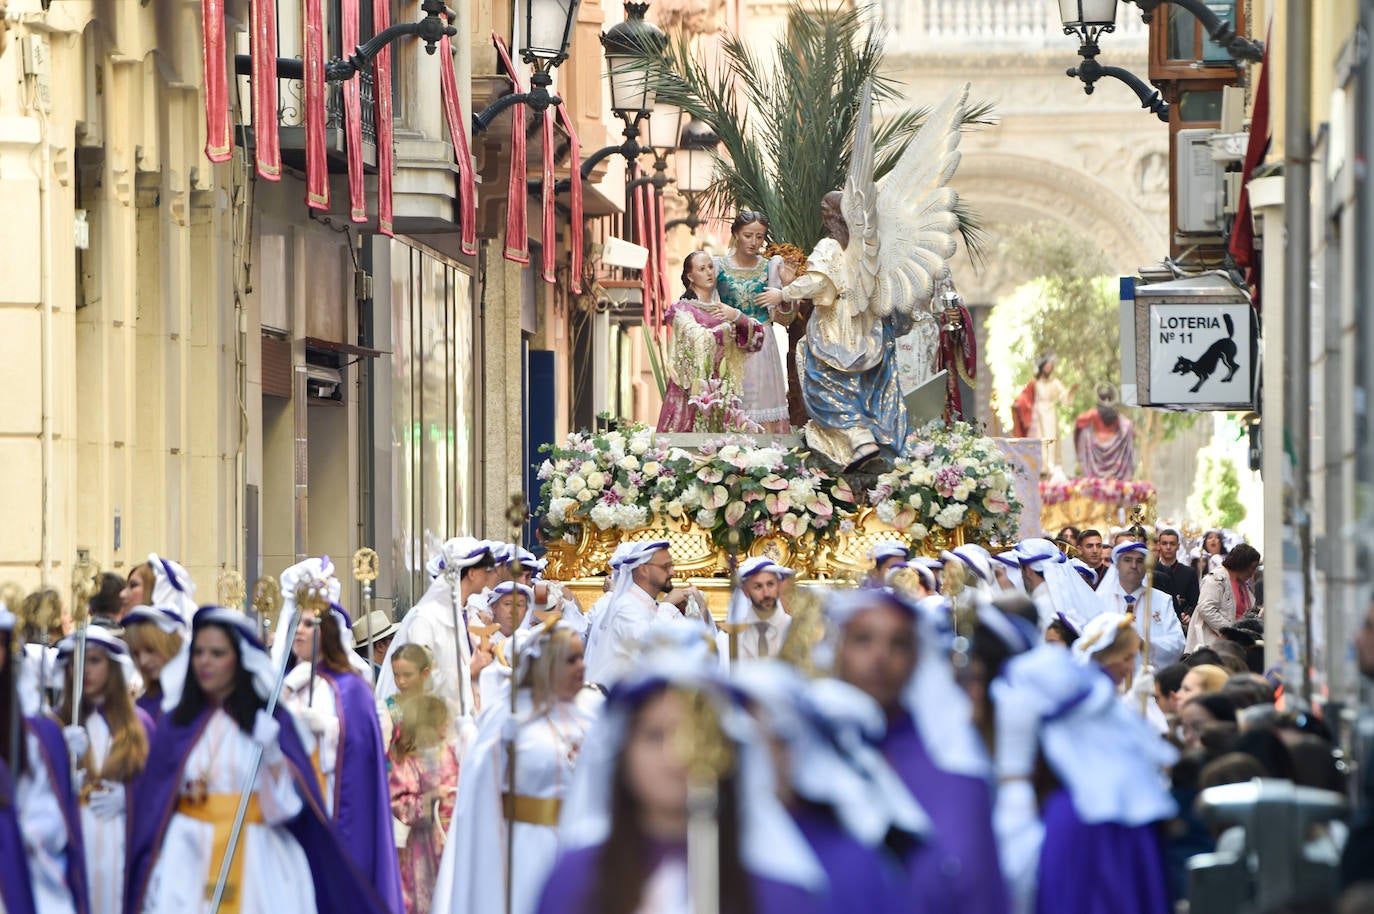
{"x": 1053, "y": 585}
{"x": 1155, "y": 618}
{"x": 645, "y": 574}
{"x": 756, "y": 614}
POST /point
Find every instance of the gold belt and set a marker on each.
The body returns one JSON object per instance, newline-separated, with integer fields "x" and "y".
{"x": 532, "y": 810}
{"x": 218, "y": 809}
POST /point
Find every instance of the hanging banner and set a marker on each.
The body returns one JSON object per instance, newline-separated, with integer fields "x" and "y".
{"x": 517, "y": 220}
{"x": 353, "y": 118}
{"x": 262, "y": 18}
{"x": 381, "y": 89}
{"x": 219, "y": 138}
{"x": 575, "y": 235}
{"x": 458, "y": 134}
{"x": 316, "y": 164}
{"x": 548, "y": 237}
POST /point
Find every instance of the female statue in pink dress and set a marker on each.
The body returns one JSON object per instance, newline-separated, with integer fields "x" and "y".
{"x": 711, "y": 342}
{"x": 752, "y": 283}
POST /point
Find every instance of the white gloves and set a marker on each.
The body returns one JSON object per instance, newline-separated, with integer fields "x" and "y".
{"x": 1144, "y": 684}
{"x": 107, "y": 800}
{"x": 266, "y": 733}
{"x": 316, "y": 721}
{"x": 78, "y": 743}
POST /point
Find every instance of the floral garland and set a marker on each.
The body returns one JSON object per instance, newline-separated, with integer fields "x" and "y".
{"x": 616, "y": 479}
{"x": 954, "y": 476}
{"x": 741, "y": 491}
{"x": 1117, "y": 492}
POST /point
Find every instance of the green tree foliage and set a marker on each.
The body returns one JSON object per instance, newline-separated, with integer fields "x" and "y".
{"x": 786, "y": 118}
{"x": 1215, "y": 500}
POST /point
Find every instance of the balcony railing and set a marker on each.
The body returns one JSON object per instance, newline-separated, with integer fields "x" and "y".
{"x": 999, "y": 24}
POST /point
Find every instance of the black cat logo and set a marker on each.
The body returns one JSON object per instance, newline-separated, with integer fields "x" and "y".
{"x": 1222, "y": 351}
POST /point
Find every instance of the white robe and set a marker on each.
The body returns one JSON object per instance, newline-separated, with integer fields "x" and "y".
{"x": 44, "y": 830}
{"x": 472, "y": 873}
{"x": 276, "y": 871}
{"x": 103, "y": 839}
{"x": 615, "y": 636}
{"x": 1165, "y": 634}
{"x": 296, "y": 691}
{"x": 430, "y": 623}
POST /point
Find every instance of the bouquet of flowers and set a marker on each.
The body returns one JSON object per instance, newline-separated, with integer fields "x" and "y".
{"x": 952, "y": 475}
{"x": 740, "y": 491}
{"x": 616, "y": 479}
{"x": 719, "y": 408}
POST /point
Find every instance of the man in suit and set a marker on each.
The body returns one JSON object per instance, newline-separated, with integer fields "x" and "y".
{"x": 1173, "y": 577}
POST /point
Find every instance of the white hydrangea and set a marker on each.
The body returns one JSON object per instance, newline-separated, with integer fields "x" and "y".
{"x": 630, "y": 517}
{"x": 603, "y": 515}
{"x": 558, "y": 508}
{"x": 887, "y": 511}
{"x": 951, "y": 516}
{"x": 763, "y": 457}
{"x": 706, "y": 518}
{"x": 918, "y": 531}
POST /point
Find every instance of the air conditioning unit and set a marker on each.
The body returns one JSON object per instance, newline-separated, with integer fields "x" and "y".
{"x": 1198, "y": 183}
{"x": 323, "y": 383}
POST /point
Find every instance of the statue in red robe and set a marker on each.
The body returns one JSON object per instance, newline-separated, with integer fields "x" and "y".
{"x": 1104, "y": 439}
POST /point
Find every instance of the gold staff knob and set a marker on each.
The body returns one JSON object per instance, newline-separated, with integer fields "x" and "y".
{"x": 231, "y": 588}
{"x": 84, "y": 573}
{"x": 267, "y": 599}
{"x": 365, "y": 565}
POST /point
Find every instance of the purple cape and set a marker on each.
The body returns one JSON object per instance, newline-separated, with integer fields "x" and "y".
{"x": 1098, "y": 869}
{"x": 339, "y": 887}
{"x": 860, "y": 878}
{"x": 569, "y": 886}
{"x": 362, "y": 793}
{"x": 54, "y": 752}
{"x": 960, "y": 808}
{"x": 151, "y": 705}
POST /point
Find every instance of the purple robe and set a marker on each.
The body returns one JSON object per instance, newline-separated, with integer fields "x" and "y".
{"x": 860, "y": 878}
{"x": 54, "y": 751}
{"x": 569, "y": 886}
{"x": 150, "y": 705}
{"x": 362, "y": 794}
{"x": 16, "y": 894}
{"x": 339, "y": 886}
{"x": 964, "y": 851}
{"x": 1098, "y": 869}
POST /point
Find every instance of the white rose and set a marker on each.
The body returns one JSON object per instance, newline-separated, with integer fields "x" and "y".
{"x": 915, "y": 501}
{"x": 628, "y": 462}
{"x": 557, "y": 489}
{"x": 596, "y": 480}
{"x": 918, "y": 531}
{"x": 576, "y": 484}
{"x": 639, "y": 445}
{"x": 652, "y": 468}
{"x": 562, "y": 466}
{"x": 961, "y": 492}
{"x": 585, "y": 496}
{"x": 656, "y": 504}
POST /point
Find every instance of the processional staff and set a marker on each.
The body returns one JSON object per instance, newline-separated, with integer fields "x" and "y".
{"x": 83, "y": 586}
{"x": 365, "y": 568}
{"x": 266, "y": 603}
{"x": 231, "y": 588}
{"x": 707, "y": 756}
{"x": 1143, "y": 516}
{"x": 13, "y": 597}
{"x": 517, "y": 512}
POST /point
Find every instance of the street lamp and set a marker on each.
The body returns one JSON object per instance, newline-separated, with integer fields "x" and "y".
{"x": 1080, "y": 16}
{"x": 696, "y": 164}
{"x": 630, "y": 46}
{"x": 548, "y": 32}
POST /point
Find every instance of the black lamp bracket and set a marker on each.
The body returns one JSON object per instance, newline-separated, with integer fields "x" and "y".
{"x": 1090, "y": 71}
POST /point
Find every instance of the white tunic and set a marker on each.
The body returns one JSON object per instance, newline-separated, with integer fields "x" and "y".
{"x": 322, "y": 744}
{"x": 472, "y": 874}
{"x": 103, "y": 837}
{"x": 1160, "y": 625}
{"x": 45, "y": 833}
{"x": 276, "y": 871}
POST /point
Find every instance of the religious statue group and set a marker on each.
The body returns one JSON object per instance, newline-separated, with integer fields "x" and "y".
{"x": 868, "y": 283}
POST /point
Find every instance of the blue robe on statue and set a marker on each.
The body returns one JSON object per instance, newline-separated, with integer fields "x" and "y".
{"x": 1098, "y": 869}
{"x": 964, "y": 852}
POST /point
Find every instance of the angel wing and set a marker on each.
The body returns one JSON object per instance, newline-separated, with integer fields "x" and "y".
{"x": 909, "y": 227}
{"x": 859, "y": 206}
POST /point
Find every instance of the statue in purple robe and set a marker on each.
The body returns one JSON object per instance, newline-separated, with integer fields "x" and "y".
{"x": 1104, "y": 439}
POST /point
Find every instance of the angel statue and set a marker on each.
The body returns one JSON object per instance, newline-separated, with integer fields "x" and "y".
{"x": 866, "y": 294}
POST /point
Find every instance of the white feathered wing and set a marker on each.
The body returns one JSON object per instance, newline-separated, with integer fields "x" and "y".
{"x": 903, "y": 234}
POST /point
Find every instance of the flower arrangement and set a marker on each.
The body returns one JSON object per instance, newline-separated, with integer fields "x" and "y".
{"x": 719, "y": 408}
{"x": 740, "y": 491}
{"x": 953, "y": 476}
{"x": 1117, "y": 492}
{"x": 616, "y": 479}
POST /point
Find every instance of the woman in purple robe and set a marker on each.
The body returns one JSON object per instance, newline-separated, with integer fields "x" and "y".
{"x": 42, "y": 859}
{"x": 709, "y": 344}
{"x": 930, "y": 742}
{"x": 287, "y": 859}
{"x": 624, "y": 824}
{"x": 337, "y": 707}
{"x": 1083, "y": 796}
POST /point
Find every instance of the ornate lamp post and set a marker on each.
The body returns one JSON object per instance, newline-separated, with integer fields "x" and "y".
{"x": 696, "y": 161}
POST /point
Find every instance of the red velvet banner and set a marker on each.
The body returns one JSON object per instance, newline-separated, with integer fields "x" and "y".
{"x": 661, "y": 238}
{"x": 219, "y": 138}
{"x": 517, "y": 220}
{"x": 262, "y": 17}
{"x": 353, "y": 118}
{"x": 646, "y": 276}
{"x": 381, "y": 89}
{"x": 458, "y": 134}
{"x": 575, "y": 234}
{"x": 549, "y": 190}
{"x": 316, "y": 164}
